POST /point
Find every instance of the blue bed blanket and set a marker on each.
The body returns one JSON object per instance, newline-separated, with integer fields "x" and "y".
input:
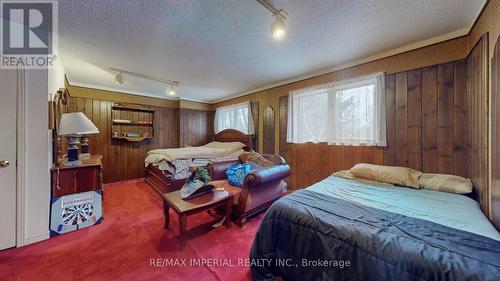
{"x": 309, "y": 235}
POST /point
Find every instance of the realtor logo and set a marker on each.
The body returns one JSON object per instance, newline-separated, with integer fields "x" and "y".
{"x": 29, "y": 33}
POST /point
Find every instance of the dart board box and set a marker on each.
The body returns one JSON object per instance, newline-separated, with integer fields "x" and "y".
{"x": 75, "y": 211}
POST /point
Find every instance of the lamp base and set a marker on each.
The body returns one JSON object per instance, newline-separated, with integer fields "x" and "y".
{"x": 73, "y": 148}
{"x": 85, "y": 144}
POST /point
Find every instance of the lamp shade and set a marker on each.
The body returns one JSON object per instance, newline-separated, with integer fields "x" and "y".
{"x": 76, "y": 124}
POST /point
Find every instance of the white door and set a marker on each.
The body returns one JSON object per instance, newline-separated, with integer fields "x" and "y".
{"x": 8, "y": 117}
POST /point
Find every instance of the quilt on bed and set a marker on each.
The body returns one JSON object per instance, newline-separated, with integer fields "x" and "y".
{"x": 342, "y": 229}
{"x": 178, "y": 160}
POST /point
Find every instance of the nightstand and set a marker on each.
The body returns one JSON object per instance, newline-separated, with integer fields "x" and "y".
{"x": 76, "y": 200}
{"x": 70, "y": 180}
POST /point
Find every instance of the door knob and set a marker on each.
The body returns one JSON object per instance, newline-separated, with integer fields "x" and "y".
{"x": 4, "y": 163}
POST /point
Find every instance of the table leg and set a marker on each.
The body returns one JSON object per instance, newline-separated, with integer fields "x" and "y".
{"x": 182, "y": 230}
{"x": 229, "y": 211}
{"x": 166, "y": 214}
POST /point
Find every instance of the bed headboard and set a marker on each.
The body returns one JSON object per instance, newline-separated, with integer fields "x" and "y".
{"x": 230, "y": 135}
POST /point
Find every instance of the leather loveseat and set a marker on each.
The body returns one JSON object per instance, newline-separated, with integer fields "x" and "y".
{"x": 260, "y": 189}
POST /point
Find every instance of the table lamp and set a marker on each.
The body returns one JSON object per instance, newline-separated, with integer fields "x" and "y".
{"x": 75, "y": 126}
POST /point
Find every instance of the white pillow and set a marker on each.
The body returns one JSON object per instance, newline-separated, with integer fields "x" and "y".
{"x": 346, "y": 174}
{"x": 446, "y": 183}
{"x": 389, "y": 174}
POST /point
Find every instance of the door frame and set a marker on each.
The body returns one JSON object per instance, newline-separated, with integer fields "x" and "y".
{"x": 21, "y": 158}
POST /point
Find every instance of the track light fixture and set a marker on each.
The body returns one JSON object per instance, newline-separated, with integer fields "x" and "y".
{"x": 120, "y": 72}
{"x": 119, "y": 78}
{"x": 278, "y": 27}
{"x": 172, "y": 90}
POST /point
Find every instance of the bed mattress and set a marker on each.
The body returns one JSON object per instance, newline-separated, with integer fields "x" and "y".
{"x": 381, "y": 232}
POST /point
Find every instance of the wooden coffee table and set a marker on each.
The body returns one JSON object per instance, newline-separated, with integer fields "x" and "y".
{"x": 184, "y": 208}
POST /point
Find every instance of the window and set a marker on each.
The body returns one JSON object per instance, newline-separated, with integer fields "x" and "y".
{"x": 345, "y": 113}
{"x": 238, "y": 117}
{"x": 310, "y": 112}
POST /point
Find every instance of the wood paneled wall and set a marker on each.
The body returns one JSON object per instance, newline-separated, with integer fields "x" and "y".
{"x": 254, "y": 107}
{"x": 495, "y": 135}
{"x": 196, "y": 127}
{"x": 426, "y": 115}
{"x": 477, "y": 100}
{"x": 283, "y": 119}
{"x": 268, "y": 133}
{"x": 447, "y": 51}
{"x": 123, "y": 160}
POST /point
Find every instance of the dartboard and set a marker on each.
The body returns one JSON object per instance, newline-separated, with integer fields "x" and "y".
{"x": 78, "y": 214}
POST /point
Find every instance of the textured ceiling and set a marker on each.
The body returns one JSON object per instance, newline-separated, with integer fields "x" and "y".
{"x": 219, "y": 49}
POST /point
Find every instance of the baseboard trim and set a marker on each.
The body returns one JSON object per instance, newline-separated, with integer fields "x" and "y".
{"x": 35, "y": 238}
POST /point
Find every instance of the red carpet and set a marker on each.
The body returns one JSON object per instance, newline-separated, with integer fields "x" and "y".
{"x": 130, "y": 236}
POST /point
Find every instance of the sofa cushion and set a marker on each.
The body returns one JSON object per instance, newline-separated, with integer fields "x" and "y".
{"x": 233, "y": 190}
{"x": 255, "y": 158}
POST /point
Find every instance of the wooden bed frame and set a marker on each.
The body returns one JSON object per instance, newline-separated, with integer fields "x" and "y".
{"x": 163, "y": 181}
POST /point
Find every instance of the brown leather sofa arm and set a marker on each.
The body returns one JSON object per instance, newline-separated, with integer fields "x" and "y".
{"x": 267, "y": 175}
{"x": 217, "y": 169}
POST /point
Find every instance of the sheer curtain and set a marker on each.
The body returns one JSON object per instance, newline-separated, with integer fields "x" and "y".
{"x": 308, "y": 115}
{"x": 236, "y": 116}
{"x": 357, "y": 115}
{"x": 350, "y": 112}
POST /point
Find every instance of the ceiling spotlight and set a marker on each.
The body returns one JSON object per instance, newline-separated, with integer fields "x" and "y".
{"x": 119, "y": 78}
{"x": 172, "y": 90}
{"x": 278, "y": 28}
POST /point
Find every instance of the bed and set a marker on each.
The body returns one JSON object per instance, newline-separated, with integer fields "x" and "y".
{"x": 164, "y": 177}
{"x": 344, "y": 229}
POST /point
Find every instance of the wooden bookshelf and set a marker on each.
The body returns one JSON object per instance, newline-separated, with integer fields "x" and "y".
{"x": 140, "y": 122}
{"x": 132, "y": 108}
{"x": 133, "y": 123}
